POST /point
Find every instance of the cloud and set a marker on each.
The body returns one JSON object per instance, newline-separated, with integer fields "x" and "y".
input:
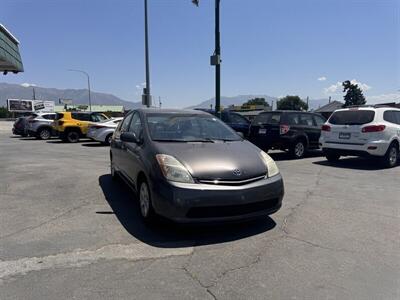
{"x": 28, "y": 84}
{"x": 323, "y": 78}
{"x": 338, "y": 87}
{"x": 383, "y": 98}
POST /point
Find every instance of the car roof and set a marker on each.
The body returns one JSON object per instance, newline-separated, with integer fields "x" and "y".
{"x": 368, "y": 108}
{"x": 290, "y": 112}
{"x": 170, "y": 111}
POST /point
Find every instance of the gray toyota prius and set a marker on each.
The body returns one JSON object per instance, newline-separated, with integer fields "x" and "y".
{"x": 188, "y": 166}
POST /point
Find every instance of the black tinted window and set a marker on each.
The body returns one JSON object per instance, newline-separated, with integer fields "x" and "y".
{"x": 125, "y": 123}
{"x": 352, "y": 117}
{"x": 267, "y": 118}
{"x": 49, "y": 117}
{"x": 306, "y": 120}
{"x": 59, "y": 116}
{"x": 319, "y": 120}
{"x": 237, "y": 119}
{"x": 392, "y": 116}
{"x": 80, "y": 116}
{"x": 293, "y": 119}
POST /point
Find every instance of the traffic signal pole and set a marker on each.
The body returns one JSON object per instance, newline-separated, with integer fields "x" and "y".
{"x": 217, "y": 59}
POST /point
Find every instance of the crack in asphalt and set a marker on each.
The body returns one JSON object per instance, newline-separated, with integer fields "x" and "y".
{"x": 309, "y": 193}
{"x": 45, "y": 222}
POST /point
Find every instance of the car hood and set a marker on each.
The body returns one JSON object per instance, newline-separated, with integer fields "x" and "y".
{"x": 217, "y": 161}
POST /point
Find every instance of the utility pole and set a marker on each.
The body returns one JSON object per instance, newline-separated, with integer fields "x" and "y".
{"x": 308, "y": 108}
{"x": 146, "y": 98}
{"x": 159, "y": 102}
{"x": 216, "y": 57}
{"x": 34, "y": 93}
{"x": 88, "y": 84}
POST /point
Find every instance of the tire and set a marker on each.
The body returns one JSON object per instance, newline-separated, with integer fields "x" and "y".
{"x": 391, "y": 157}
{"x": 44, "y": 134}
{"x": 72, "y": 136}
{"x": 332, "y": 157}
{"x": 298, "y": 150}
{"x": 24, "y": 135}
{"x": 108, "y": 139}
{"x": 114, "y": 173}
{"x": 145, "y": 205}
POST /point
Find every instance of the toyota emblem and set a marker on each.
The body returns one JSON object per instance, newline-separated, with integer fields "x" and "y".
{"x": 237, "y": 172}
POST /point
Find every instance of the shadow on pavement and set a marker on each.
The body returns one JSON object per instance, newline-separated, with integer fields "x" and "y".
{"x": 166, "y": 234}
{"x": 281, "y": 155}
{"x": 58, "y": 141}
{"x": 357, "y": 163}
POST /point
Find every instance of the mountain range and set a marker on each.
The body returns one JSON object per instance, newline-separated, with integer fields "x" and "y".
{"x": 80, "y": 96}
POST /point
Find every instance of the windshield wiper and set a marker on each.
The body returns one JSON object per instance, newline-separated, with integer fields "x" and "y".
{"x": 170, "y": 141}
{"x": 205, "y": 140}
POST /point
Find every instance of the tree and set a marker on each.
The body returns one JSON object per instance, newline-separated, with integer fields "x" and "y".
{"x": 4, "y": 113}
{"x": 257, "y": 101}
{"x": 292, "y": 103}
{"x": 354, "y": 94}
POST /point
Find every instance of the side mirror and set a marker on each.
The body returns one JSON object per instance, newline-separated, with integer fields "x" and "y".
{"x": 129, "y": 137}
{"x": 240, "y": 134}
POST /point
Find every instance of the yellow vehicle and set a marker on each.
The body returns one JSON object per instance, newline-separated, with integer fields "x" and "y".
{"x": 71, "y": 126}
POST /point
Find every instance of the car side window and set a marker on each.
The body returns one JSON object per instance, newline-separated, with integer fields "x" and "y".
{"x": 391, "y": 116}
{"x": 224, "y": 117}
{"x": 397, "y": 115}
{"x": 81, "y": 116}
{"x": 136, "y": 125}
{"x": 124, "y": 126}
{"x": 293, "y": 119}
{"x": 306, "y": 120}
{"x": 238, "y": 119}
{"x": 319, "y": 121}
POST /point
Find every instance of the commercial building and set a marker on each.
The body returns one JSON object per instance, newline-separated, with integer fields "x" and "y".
{"x": 10, "y": 58}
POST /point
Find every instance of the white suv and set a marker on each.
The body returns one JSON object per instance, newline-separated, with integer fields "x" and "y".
{"x": 363, "y": 131}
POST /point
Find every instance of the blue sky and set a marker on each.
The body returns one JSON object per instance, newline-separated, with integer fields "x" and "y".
{"x": 273, "y": 47}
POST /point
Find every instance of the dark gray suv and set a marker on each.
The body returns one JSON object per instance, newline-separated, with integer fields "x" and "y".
{"x": 189, "y": 166}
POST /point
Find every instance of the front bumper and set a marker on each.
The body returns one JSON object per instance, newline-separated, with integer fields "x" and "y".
{"x": 200, "y": 203}
{"x": 374, "y": 148}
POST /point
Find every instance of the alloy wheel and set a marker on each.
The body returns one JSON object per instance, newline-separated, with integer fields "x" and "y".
{"x": 299, "y": 149}
{"x": 44, "y": 134}
{"x": 144, "y": 199}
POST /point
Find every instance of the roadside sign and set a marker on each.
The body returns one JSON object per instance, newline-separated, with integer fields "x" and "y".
{"x": 22, "y": 105}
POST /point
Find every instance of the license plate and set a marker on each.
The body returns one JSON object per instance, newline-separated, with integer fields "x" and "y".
{"x": 262, "y": 131}
{"x": 344, "y": 135}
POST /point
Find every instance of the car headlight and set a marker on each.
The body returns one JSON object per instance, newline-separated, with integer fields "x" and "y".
{"x": 272, "y": 168}
{"x": 173, "y": 170}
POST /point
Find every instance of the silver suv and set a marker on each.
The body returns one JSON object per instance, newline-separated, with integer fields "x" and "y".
{"x": 40, "y": 126}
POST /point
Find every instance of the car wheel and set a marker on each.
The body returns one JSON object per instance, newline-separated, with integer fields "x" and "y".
{"x": 391, "y": 156}
{"x": 332, "y": 157}
{"x": 298, "y": 150}
{"x": 72, "y": 136}
{"x": 44, "y": 134}
{"x": 108, "y": 140}
{"x": 146, "y": 208}
{"x": 114, "y": 173}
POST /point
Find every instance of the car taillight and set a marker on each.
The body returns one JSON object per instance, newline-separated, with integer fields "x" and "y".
{"x": 326, "y": 128}
{"x": 373, "y": 128}
{"x": 284, "y": 129}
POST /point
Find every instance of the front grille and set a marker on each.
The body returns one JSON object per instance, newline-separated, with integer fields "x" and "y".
{"x": 231, "y": 210}
{"x": 231, "y": 182}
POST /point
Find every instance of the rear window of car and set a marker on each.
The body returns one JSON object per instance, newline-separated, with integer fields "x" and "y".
{"x": 267, "y": 118}
{"x": 59, "y": 116}
{"x": 352, "y": 117}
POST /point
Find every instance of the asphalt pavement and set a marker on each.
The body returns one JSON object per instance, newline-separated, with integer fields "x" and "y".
{"x": 67, "y": 231}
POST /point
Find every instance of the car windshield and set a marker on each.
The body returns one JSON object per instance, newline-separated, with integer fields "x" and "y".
{"x": 267, "y": 118}
{"x": 352, "y": 117}
{"x": 188, "y": 128}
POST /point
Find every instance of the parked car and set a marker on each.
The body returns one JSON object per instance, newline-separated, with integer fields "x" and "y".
{"x": 20, "y": 126}
{"x": 71, "y": 126}
{"x": 189, "y": 166}
{"x": 235, "y": 120}
{"x": 363, "y": 131}
{"x": 40, "y": 125}
{"x": 103, "y": 131}
{"x": 294, "y": 131}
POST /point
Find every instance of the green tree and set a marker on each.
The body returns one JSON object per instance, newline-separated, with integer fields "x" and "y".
{"x": 292, "y": 103}
{"x": 354, "y": 94}
{"x": 4, "y": 113}
{"x": 257, "y": 101}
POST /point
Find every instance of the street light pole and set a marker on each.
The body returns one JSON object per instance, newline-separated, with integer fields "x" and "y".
{"x": 146, "y": 91}
{"x": 88, "y": 83}
{"x": 216, "y": 58}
